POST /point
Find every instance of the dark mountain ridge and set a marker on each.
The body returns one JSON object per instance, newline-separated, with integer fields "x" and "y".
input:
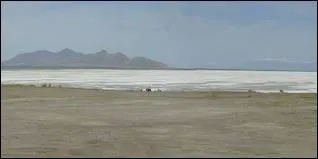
{"x": 70, "y": 58}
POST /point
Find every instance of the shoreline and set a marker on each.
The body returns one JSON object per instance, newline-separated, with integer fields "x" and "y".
{"x": 49, "y": 85}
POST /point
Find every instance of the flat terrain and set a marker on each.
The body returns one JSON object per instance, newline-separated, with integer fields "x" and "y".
{"x": 65, "y": 122}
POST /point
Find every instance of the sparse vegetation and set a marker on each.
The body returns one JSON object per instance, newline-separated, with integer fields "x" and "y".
{"x": 44, "y": 85}
{"x": 18, "y": 85}
{"x": 148, "y": 89}
{"x": 251, "y": 91}
{"x": 137, "y": 129}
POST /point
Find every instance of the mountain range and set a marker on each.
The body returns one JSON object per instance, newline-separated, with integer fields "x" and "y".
{"x": 70, "y": 58}
{"x": 102, "y": 59}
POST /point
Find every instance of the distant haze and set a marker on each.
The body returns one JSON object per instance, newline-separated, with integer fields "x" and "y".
{"x": 180, "y": 34}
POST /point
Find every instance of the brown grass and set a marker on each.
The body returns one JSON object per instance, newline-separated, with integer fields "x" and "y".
{"x": 68, "y": 122}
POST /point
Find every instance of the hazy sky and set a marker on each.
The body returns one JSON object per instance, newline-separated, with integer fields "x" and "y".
{"x": 192, "y": 34}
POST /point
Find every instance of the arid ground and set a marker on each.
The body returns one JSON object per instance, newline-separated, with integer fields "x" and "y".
{"x": 66, "y": 122}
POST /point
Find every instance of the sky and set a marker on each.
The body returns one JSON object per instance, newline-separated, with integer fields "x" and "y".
{"x": 180, "y": 34}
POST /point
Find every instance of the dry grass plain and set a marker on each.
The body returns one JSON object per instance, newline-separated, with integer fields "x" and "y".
{"x": 66, "y": 122}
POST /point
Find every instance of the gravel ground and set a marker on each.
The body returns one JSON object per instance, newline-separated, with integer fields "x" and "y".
{"x": 65, "y": 122}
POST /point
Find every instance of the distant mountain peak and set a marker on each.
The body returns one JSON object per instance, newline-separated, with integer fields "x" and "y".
{"x": 119, "y": 53}
{"x": 102, "y": 52}
{"x": 43, "y": 51}
{"x": 139, "y": 57}
{"x": 66, "y": 50}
